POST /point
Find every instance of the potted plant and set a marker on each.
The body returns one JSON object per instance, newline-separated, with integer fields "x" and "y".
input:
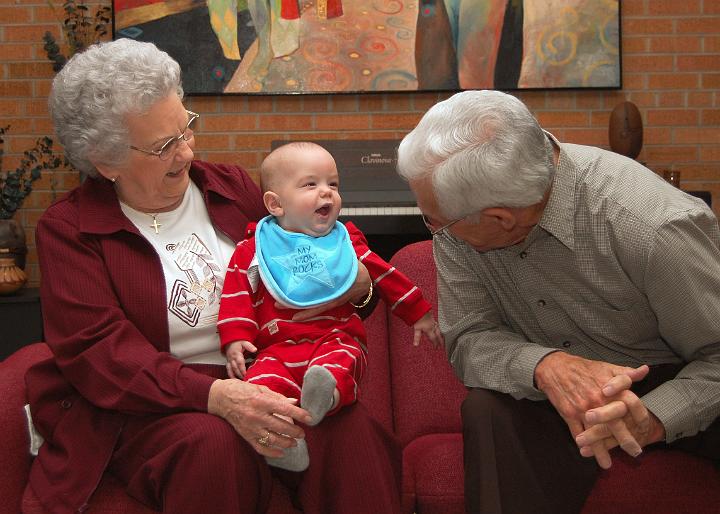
{"x": 80, "y": 31}
{"x": 15, "y": 186}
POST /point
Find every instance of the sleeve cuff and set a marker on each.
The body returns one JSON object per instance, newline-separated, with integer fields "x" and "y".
{"x": 523, "y": 370}
{"x": 671, "y": 408}
{"x": 410, "y": 314}
{"x": 198, "y": 389}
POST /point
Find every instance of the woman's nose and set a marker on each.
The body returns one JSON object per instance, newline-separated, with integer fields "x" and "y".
{"x": 184, "y": 151}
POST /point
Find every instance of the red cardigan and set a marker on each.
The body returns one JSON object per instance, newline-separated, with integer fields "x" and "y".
{"x": 104, "y": 309}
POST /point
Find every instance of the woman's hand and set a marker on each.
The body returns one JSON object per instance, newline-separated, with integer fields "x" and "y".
{"x": 254, "y": 410}
{"x": 357, "y": 293}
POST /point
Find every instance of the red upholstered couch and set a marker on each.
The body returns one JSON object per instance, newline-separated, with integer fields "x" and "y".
{"x": 412, "y": 392}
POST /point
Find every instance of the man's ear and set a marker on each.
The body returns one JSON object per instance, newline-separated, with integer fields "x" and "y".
{"x": 503, "y": 216}
{"x": 272, "y": 203}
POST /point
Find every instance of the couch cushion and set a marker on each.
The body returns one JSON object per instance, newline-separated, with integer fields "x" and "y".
{"x": 426, "y": 395}
{"x": 662, "y": 482}
{"x": 433, "y": 475}
{"x": 14, "y": 443}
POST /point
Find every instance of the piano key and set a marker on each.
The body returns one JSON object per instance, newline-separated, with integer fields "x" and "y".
{"x": 380, "y": 211}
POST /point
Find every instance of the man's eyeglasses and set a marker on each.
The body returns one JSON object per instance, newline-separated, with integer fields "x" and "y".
{"x": 434, "y": 231}
{"x": 168, "y": 148}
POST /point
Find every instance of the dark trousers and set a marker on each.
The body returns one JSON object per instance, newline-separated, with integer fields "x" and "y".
{"x": 520, "y": 456}
{"x": 195, "y": 462}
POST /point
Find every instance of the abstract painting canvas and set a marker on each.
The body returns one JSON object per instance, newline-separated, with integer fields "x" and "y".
{"x": 347, "y": 46}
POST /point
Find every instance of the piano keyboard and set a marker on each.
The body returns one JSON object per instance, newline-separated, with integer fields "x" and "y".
{"x": 380, "y": 211}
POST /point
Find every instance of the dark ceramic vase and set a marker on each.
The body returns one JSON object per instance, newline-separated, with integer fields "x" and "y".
{"x": 12, "y": 239}
{"x": 12, "y": 278}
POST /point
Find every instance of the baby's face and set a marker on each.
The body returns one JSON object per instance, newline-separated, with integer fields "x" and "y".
{"x": 309, "y": 193}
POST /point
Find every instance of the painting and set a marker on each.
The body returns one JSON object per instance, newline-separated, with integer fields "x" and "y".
{"x": 351, "y": 46}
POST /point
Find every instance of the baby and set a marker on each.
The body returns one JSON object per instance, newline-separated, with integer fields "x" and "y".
{"x": 299, "y": 257}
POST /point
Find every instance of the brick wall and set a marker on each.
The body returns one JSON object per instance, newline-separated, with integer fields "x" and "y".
{"x": 671, "y": 71}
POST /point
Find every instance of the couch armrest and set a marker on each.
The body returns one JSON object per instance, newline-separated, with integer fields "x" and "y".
{"x": 426, "y": 394}
{"x": 14, "y": 454}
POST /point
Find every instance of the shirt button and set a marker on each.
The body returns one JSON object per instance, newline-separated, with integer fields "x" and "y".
{"x": 66, "y": 404}
{"x": 541, "y": 303}
{"x": 566, "y": 344}
{"x": 523, "y": 255}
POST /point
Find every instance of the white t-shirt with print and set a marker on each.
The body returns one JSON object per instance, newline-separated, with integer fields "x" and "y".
{"x": 194, "y": 258}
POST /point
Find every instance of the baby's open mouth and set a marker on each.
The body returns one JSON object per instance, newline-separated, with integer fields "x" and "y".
{"x": 324, "y": 210}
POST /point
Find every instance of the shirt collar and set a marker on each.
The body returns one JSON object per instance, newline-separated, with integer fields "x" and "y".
{"x": 99, "y": 208}
{"x": 558, "y": 217}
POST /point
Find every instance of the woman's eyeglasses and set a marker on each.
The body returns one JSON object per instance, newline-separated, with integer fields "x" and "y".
{"x": 168, "y": 148}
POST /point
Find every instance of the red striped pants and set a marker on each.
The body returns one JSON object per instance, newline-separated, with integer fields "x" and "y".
{"x": 282, "y": 366}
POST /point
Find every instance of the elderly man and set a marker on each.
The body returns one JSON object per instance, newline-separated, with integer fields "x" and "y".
{"x": 578, "y": 296}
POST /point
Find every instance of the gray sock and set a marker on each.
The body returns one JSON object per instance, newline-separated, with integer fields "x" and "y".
{"x": 317, "y": 393}
{"x": 296, "y": 458}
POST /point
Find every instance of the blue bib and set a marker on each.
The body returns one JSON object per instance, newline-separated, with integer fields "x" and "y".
{"x": 302, "y": 271}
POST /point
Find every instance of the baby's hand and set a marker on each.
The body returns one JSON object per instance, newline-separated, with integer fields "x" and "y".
{"x": 235, "y": 354}
{"x": 428, "y": 326}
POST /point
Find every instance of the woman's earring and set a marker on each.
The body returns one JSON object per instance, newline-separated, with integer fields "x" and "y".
{"x": 113, "y": 179}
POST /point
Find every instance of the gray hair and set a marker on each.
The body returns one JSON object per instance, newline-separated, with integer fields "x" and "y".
{"x": 483, "y": 149}
{"x": 97, "y": 88}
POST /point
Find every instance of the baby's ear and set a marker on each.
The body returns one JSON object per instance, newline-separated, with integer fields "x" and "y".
{"x": 272, "y": 203}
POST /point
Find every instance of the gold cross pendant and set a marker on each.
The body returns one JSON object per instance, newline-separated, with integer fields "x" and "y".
{"x": 155, "y": 224}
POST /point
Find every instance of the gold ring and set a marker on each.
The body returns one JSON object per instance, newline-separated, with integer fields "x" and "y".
{"x": 264, "y": 440}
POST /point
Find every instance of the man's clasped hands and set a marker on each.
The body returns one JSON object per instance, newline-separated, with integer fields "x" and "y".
{"x": 595, "y": 400}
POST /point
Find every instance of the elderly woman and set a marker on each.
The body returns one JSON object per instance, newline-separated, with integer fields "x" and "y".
{"x": 132, "y": 267}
